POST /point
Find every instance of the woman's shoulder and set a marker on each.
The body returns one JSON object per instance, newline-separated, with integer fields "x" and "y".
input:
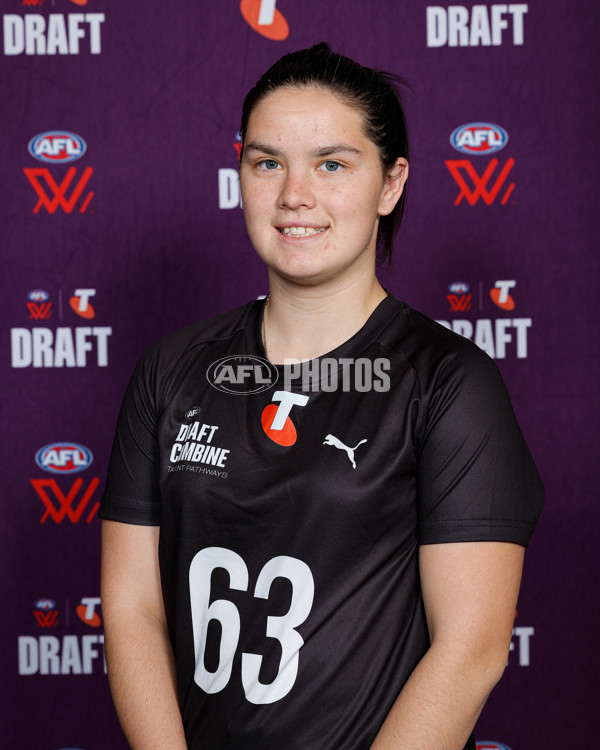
{"x": 415, "y": 333}
{"x": 215, "y": 328}
{"x": 162, "y": 357}
{"x": 432, "y": 349}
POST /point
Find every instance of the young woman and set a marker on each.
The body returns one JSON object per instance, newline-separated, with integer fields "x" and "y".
{"x": 331, "y": 562}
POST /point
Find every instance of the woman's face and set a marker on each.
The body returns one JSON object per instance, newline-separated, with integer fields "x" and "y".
{"x": 313, "y": 187}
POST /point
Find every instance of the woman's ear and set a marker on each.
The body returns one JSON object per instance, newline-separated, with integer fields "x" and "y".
{"x": 393, "y": 186}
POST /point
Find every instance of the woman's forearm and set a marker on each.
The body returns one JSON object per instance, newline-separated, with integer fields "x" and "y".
{"x": 438, "y": 706}
{"x": 141, "y": 673}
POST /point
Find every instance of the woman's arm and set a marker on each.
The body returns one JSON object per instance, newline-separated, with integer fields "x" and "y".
{"x": 470, "y": 592}
{"x": 139, "y": 657}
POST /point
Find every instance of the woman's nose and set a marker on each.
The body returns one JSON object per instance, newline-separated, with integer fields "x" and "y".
{"x": 297, "y": 191}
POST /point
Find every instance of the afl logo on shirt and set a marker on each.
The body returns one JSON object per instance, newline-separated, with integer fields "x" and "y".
{"x": 242, "y": 375}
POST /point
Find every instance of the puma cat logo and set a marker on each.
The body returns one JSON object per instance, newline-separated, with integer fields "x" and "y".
{"x": 332, "y": 440}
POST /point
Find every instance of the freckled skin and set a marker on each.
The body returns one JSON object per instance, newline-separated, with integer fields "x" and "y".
{"x": 287, "y": 183}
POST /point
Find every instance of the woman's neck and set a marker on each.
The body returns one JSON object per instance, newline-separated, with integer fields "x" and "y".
{"x": 302, "y": 323}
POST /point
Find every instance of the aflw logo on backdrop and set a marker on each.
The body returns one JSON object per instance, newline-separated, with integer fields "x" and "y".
{"x": 38, "y": 305}
{"x": 65, "y": 458}
{"x": 45, "y": 613}
{"x": 58, "y": 146}
{"x": 459, "y": 298}
{"x": 479, "y": 139}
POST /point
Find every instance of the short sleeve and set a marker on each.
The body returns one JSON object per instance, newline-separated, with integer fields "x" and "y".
{"x": 477, "y": 480}
{"x": 132, "y": 488}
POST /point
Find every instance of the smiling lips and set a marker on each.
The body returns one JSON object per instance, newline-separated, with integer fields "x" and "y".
{"x": 300, "y": 231}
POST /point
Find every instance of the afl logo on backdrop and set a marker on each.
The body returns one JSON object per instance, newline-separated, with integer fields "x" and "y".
{"x": 45, "y": 604}
{"x": 57, "y": 146}
{"x": 458, "y": 287}
{"x": 64, "y": 458}
{"x": 38, "y": 295}
{"x": 487, "y": 745}
{"x": 479, "y": 138}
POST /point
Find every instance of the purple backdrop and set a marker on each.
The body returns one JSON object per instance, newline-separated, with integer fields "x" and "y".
{"x": 126, "y": 225}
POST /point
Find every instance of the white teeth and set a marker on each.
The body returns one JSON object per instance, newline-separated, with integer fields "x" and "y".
{"x": 301, "y": 231}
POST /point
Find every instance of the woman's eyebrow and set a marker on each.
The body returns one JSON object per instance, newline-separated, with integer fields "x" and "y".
{"x": 255, "y": 146}
{"x": 335, "y": 148}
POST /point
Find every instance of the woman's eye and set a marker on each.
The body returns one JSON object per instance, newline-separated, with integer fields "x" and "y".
{"x": 268, "y": 164}
{"x": 331, "y": 166}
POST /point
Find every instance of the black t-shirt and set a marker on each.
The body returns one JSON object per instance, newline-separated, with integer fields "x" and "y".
{"x": 291, "y": 514}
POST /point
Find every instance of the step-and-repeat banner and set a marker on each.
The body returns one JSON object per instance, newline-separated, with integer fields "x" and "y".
{"x": 121, "y": 221}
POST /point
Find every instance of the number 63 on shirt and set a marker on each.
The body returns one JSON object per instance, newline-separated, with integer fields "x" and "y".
{"x": 282, "y": 628}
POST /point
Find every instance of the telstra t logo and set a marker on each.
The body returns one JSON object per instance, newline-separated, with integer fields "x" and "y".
{"x": 500, "y": 294}
{"x": 80, "y": 302}
{"x": 276, "y": 420}
{"x": 263, "y": 17}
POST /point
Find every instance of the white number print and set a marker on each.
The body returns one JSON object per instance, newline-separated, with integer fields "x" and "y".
{"x": 282, "y": 628}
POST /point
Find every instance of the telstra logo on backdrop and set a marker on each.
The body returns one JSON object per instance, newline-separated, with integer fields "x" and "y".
{"x": 58, "y": 147}
{"x": 263, "y": 17}
{"x": 480, "y": 139}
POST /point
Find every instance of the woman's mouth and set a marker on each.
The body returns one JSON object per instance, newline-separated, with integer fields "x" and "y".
{"x": 300, "y": 231}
